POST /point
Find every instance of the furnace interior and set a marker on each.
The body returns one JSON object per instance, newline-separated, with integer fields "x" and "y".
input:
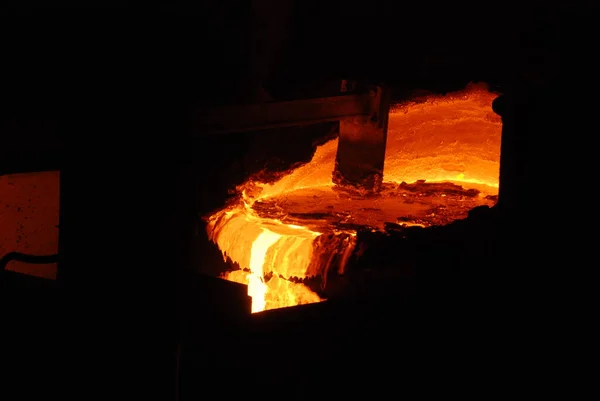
{"x": 285, "y": 233}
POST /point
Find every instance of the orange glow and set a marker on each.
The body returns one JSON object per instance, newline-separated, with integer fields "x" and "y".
{"x": 257, "y": 288}
{"x": 281, "y": 234}
{"x": 452, "y": 138}
{"x": 29, "y": 219}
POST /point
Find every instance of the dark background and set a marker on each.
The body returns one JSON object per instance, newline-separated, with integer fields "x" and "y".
{"x": 202, "y": 50}
{"x": 104, "y": 94}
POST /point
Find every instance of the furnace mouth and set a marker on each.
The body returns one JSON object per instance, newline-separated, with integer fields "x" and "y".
{"x": 442, "y": 160}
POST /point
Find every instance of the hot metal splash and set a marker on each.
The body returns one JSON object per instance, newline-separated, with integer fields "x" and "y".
{"x": 442, "y": 160}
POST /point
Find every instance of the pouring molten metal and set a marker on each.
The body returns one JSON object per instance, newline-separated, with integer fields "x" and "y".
{"x": 442, "y": 160}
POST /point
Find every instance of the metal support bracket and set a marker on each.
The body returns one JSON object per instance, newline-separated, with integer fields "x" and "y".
{"x": 361, "y": 147}
{"x": 363, "y": 128}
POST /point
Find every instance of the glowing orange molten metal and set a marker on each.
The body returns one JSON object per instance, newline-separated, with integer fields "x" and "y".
{"x": 453, "y": 139}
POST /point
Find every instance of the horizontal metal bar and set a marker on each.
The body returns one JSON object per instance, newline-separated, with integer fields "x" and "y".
{"x": 26, "y": 258}
{"x": 254, "y": 117}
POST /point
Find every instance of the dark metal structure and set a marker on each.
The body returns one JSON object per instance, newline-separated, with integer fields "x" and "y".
{"x": 362, "y": 119}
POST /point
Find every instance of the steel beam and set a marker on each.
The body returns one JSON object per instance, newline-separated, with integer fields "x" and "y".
{"x": 255, "y": 117}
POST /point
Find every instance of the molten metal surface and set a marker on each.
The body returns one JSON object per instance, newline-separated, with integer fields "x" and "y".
{"x": 281, "y": 234}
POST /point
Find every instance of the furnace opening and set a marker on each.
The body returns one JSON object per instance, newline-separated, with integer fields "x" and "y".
{"x": 284, "y": 236}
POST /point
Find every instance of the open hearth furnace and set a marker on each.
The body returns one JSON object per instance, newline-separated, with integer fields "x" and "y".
{"x": 322, "y": 229}
{"x": 286, "y": 235}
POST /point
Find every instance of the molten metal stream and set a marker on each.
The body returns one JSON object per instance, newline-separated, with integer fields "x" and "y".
{"x": 453, "y": 138}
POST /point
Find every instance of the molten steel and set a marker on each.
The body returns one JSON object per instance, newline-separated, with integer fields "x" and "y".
{"x": 442, "y": 159}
